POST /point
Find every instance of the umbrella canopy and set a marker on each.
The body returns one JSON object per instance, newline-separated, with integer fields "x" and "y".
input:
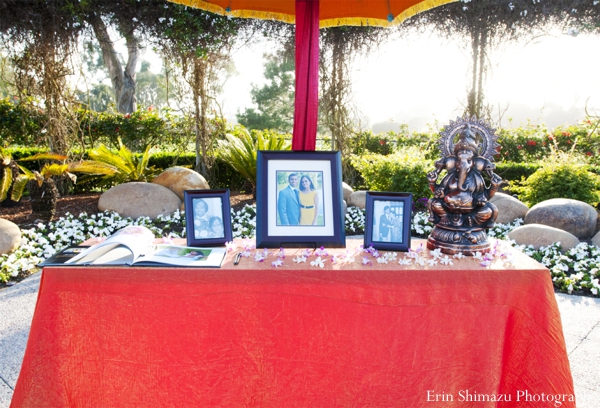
{"x": 332, "y": 13}
{"x": 309, "y": 16}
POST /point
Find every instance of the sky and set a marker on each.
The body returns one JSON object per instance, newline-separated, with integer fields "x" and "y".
{"x": 422, "y": 82}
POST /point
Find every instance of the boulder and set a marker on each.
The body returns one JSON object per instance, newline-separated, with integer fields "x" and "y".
{"x": 596, "y": 240}
{"x": 347, "y": 190}
{"x": 509, "y": 208}
{"x": 10, "y": 236}
{"x": 139, "y": 199}
{"x": 540, "y": 235}
{"x": 179, "y": 179}
{"x": 358, "y": 199}
{"x": 573, "y": 216}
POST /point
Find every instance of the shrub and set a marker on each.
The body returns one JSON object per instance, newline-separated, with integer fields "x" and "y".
{"x": 403, "y": 171}
{"x": 559, "y": 180}
{"x": 240, "y": 149}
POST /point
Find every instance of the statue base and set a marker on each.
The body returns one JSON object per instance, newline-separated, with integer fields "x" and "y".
{"x": 451, "y": 241}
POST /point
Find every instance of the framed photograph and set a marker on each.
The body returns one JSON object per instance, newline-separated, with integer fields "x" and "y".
{"x": 388, "y": 220}
{"x": 207, "y": 217}
{"x": 299, "y": 199}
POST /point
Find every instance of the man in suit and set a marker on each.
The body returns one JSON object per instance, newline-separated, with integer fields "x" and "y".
{"x": 385, "y": 223}
{"x": 288, "y": 203}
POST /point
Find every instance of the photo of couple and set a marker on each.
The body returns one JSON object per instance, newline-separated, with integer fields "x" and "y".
{"x": 299, "y": 196}
{"x": 208, "y": 222}
{"x": 387, "y": 227}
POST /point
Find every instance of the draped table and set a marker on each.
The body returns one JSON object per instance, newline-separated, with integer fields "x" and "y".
{"x": 256, "y": 335}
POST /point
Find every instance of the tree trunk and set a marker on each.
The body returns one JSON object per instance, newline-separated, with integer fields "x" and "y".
{"x": 472, "y": 96}
{"x": 123, "y": 81}
{"x": 43, "y": 198}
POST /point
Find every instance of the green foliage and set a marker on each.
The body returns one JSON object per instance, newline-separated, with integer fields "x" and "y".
{"x": 20, "y": 122}
{"x": 388, "y": 143}
{"x": 49, "y": 170}
{"x": 559, "y": 180}
{"x": 239, "y": 149}
{"x": 275, "y": 100}
{"x": 144, "y": 127}
{"x": 510, "y": 171}
{"x": 127, "y": 166}
{"x": 403, "y": 171}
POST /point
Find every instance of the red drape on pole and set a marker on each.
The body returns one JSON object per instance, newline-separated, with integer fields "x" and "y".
{"x": 307, "y": 75}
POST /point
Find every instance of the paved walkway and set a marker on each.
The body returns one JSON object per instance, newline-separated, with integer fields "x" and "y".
{"x": 580, "y": 318}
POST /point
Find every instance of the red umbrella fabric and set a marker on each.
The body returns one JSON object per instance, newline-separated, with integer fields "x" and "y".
{"x": 309, "y": 15}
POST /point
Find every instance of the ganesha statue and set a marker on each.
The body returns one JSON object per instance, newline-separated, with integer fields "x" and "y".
{"x": 460, "y": 208}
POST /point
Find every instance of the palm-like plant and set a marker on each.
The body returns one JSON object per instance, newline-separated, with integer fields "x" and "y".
{"x": 240, "y": 150}
{"x": 42, "y": 189}
{"x": 9, "y": 171}
{"x": 126, "y": 166}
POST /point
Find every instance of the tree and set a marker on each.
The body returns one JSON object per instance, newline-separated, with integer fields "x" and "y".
{"x": 151, "y": 90}
{"x": 485, "y": 24}
{"x": 339, "y": 46}
{"x": 39, "y": 36}
{"x": 198, "y": 43}
{"x": 98, "y": 98}
{"x": 274, "y": 100}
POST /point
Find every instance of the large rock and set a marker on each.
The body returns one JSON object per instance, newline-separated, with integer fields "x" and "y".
{"x": 573, "y": 216}
{"x": 139, "y": 199}
{"x": 179, "y": 179}
{"x": 540, "y": 235}
{"x": 10, "y": 236}
{"x": 358, "y": 199}
{"x": 509, "y": 208}
{"x": 347, "y": 190}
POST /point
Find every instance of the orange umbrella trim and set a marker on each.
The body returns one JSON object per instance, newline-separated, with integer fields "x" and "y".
{"x": 287, "y": 15}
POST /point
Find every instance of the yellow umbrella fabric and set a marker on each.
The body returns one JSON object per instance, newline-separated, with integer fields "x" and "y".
{"x": 333, "y": 13}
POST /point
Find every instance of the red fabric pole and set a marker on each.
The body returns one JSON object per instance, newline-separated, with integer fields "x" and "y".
{"x": 306, "y": 106}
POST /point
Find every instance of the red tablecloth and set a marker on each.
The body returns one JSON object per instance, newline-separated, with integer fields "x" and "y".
{"x": 254, "y": 335}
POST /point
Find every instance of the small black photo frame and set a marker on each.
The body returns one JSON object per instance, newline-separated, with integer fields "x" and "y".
{"x": 207, "y": 217}
{"x": 388, "y": 220}
{"x": 299, "y": 199}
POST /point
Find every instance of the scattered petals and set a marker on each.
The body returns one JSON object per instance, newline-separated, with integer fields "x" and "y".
{"x": 277, "y": 263}
{"x": 459, "y": 256}
{"x": 299, "y": 259}
{"x": 321, "y": 252}
{"x": 231, "y": 246}
{"x": 318, "y": 262}
{"x": 391, "y": 256}
{"x": 405, "y": 261}
{"x": 446, "y": 261}
{"x": 436, "y": 253}
{"x": 432, "y": 262}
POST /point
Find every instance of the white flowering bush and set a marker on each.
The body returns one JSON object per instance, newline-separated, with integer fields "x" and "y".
{"x": 575, "y": 271}
{"x": 243, "y": 222}
{"x": 421, "y": 227}
{"x": 355, "y": 220}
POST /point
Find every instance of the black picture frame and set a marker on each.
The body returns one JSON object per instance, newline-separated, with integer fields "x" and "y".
{"x": 202, "y": 229}
{"x": 322, "y": 173}
{"x": 393, "y": 212}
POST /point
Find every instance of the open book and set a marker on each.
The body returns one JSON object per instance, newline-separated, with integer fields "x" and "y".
{"x": 134, "y": 245}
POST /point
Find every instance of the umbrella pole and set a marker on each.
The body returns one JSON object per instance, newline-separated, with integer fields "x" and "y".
{"x": 306, "y": 104}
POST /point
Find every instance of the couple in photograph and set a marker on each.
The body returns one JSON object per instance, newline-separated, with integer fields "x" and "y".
{"x": 298, "y": 203}
{"x": 387, "y": 223}
{"x": 206, "y": 226}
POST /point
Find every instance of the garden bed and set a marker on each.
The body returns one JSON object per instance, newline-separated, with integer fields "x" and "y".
{"x": 76, "y": 204}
